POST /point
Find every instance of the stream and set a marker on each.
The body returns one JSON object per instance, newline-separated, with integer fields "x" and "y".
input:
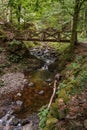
{"x": 22, "y": 109}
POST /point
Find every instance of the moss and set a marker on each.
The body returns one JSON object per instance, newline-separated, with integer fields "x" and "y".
{"x": 59, "y": 46}
{"x": 54, "y": 110}
{"x": 51, "y": 123}
{"x": 46, "y": 128}
{"x": 68, "y": 89}
{"x": 63, "y": 94}
{"x": 1, "y": 49}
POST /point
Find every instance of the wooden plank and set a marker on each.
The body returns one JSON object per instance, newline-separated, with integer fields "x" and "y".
{"x": 45, "y": 40}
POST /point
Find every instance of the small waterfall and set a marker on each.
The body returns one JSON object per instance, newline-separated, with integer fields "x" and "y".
{"x": 44, "y": 53}
{"x": 47, "y": 63}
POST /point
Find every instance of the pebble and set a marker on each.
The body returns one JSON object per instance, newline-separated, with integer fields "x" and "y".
{"x": 26, "y": 82}
{"x": 41, "y": 92}
{"x": 19, "y": 94}
{"x": 19, "y": 103}
{"x": 49, "y": 80}
{"x": 31, "y": 84}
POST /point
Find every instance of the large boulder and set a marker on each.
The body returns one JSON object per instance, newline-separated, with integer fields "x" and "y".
{"x": 12, "y": 82}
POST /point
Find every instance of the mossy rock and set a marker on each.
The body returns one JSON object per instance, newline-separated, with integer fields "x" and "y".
{"x": 63, "y": 94}
{"x": 54, "y": 128}
{"x": 54, "y": 110}
{"x": 46, "y": 128}
{"x": 51, "y": 122}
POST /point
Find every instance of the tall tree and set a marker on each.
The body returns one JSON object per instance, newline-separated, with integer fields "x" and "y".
{"x": 77, "y": 7}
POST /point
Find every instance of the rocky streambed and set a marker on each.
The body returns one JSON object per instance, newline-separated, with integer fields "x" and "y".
{"x": 22, "y": 93}
{"x": 20, "y": 99}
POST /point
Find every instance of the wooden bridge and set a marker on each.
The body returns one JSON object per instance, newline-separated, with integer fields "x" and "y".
{"x": 47, "y": 35}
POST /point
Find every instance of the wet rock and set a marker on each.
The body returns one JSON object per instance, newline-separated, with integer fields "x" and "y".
{"x": 44, "y": 53}
{"x": 41, "y": 92}
{"x": 24, "y": 122}
{"x": 85, "y": 123}
{"x": 31, "y": 84}
{"x": 15, "y": 122}
{"x": 19, "y": 103}
{"x": 49, "y": 80}
{"x": 18, "y": 128}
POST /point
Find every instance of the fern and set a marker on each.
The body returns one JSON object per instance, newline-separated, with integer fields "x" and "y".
{"x": 43, "y": 117}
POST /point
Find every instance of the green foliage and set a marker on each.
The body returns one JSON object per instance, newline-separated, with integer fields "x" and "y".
{"x": 59, "y": 46}
{"x": 43, "y": 117}
{"x": 74, "y": 66}
{"x": 14, "y": 42}
{"x": 16, "y": 51}
{"x": 76, "y": 78}
{"x": 15, "y": 58}
{"x": 1, "y": 49}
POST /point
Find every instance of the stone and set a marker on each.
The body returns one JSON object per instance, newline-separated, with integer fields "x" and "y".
{"x": 12, "y": 82}
{"x": 31, "y": 84}
{"x": 85, "y": 123}
{"x": 19, "y": 94}
{"x": 41, "y": 92}
{"x": 49, "y": 80}
{"x": 26, "y": 82}
{"x": 57, "y": 77}
{"x": 15, "y": 122}
{"x": 24, "y": 122}
{"x": 19, "y": 103}
{"x": 28, "y": 126}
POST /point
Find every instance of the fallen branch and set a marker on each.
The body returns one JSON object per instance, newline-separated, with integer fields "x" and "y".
{"x": 54, "y": 91}
{"x": 57, "y": 78}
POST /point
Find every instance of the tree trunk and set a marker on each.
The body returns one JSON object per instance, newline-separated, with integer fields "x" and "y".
{"x": 85, "y": 22}
{"x": 19, "y": 14}
{"x": 75, "y": 25}
{"x": 10, "y": 17}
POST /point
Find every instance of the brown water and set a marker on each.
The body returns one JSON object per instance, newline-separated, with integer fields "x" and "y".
{"x": 32, "y": 100}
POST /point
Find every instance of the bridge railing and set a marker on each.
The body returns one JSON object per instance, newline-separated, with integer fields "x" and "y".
{"x": 44, "y": 35}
